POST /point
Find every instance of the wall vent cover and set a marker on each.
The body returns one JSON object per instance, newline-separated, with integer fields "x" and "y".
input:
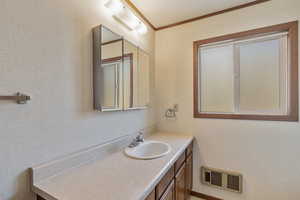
{"x": 222, "y": 179}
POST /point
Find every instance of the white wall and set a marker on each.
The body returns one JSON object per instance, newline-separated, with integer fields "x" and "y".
{"x": 46, "y": 52}
{"x": 264, "y": 152}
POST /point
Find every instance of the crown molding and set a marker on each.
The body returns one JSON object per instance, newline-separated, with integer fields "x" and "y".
{"x": 130, "y": 4}
{"x": 212, "y": 14}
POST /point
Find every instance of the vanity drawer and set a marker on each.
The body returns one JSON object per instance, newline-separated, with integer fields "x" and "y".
{"x": 189, "y": 150}
{"x": 179, "y": 162}
{"x": 164, "y": 182}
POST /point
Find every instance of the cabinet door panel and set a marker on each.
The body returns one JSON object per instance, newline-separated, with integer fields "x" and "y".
{"x": 39, "y": 198}
{"x": 179, "y": 162}
{"x": 169, "y": 193}
{"x": 189, "y": 175}
{"x": 151, "y": 196}
{"x": 164, "y": 182}
{"x": 189, "y": 150}
{"x": 180, "y": 185}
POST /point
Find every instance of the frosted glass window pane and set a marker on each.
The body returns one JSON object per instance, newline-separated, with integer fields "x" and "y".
{"x": 109, "y": 85}
{"x": 217, "y": 80}
{"x": 259, "y": 76}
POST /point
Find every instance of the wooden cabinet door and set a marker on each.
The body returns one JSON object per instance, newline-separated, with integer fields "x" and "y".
{"x": 169, "y": 193}
{"x": 189, "y": 176}
{"x": 164, "y": 183}
{"x": 39, "y": 198}
{"x": 180, "y": 185}
{"x": 151, "y": 196}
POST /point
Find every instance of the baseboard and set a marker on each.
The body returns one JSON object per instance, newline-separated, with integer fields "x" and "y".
{"x": 204, "y": 196}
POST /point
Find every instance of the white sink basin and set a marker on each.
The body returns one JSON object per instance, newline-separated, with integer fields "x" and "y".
{"x": 148, "y": 150}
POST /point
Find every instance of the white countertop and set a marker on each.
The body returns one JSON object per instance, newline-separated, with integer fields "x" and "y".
{"x": 116, "y": 177}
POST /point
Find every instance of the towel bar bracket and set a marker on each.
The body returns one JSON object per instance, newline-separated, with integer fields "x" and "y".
{"x": 19, "y": 98}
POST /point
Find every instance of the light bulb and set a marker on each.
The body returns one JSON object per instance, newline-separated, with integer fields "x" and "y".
{"x": 141, "y": 28}
{"x": 126, "y": 16}
{"x": 115, "y": 6}
{"x": 129, "y": 19}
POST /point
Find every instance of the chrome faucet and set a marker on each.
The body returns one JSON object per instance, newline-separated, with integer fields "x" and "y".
{"x": 137, "y": 140}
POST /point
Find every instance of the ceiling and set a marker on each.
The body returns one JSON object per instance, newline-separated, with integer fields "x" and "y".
{"x": 165, "y": 12}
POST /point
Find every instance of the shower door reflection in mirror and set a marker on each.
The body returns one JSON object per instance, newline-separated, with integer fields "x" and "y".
{"x": 111, "y": 68}
{"x": 108, "y": 61}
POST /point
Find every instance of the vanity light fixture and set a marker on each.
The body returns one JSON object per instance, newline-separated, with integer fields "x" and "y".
{"x": 115, "y": 6}
{"x": 141, "y": 28}
{"x": 124, "y": 15}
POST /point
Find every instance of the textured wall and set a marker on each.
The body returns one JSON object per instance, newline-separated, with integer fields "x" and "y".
{"x": 262, "y": 151}
{"x": 46, "y": 52}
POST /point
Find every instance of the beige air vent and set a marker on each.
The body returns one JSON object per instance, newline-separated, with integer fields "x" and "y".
{"x": 222, "y": 179}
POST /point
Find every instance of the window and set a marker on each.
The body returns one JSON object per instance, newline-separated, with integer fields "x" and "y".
{"x": 112, "y": 84}
{"x": 248, "y": 75}
{"x": 111, "y": 69}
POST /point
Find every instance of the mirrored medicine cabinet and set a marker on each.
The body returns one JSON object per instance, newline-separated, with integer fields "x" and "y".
{"x": 120, "y": 72}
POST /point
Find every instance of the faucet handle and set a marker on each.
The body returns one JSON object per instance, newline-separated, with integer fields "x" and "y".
{"x": 140, "y": 136}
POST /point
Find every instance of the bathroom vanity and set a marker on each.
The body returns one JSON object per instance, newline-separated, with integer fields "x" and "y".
{"x": 105, "y": 172}
{"x": 177, "y": 182}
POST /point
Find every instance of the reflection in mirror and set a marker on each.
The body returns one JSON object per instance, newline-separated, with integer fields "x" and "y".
{"x": 130, "y": 76}
{"x": 111, "y": 67}
{"x": 121, "y": 73}
{"x": 111, "y": 90}
{"x": 107, "y": 71}
{"x": 136, "y": 77}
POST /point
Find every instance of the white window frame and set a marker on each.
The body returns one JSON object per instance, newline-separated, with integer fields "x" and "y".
{"x": 117, "y": 71}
